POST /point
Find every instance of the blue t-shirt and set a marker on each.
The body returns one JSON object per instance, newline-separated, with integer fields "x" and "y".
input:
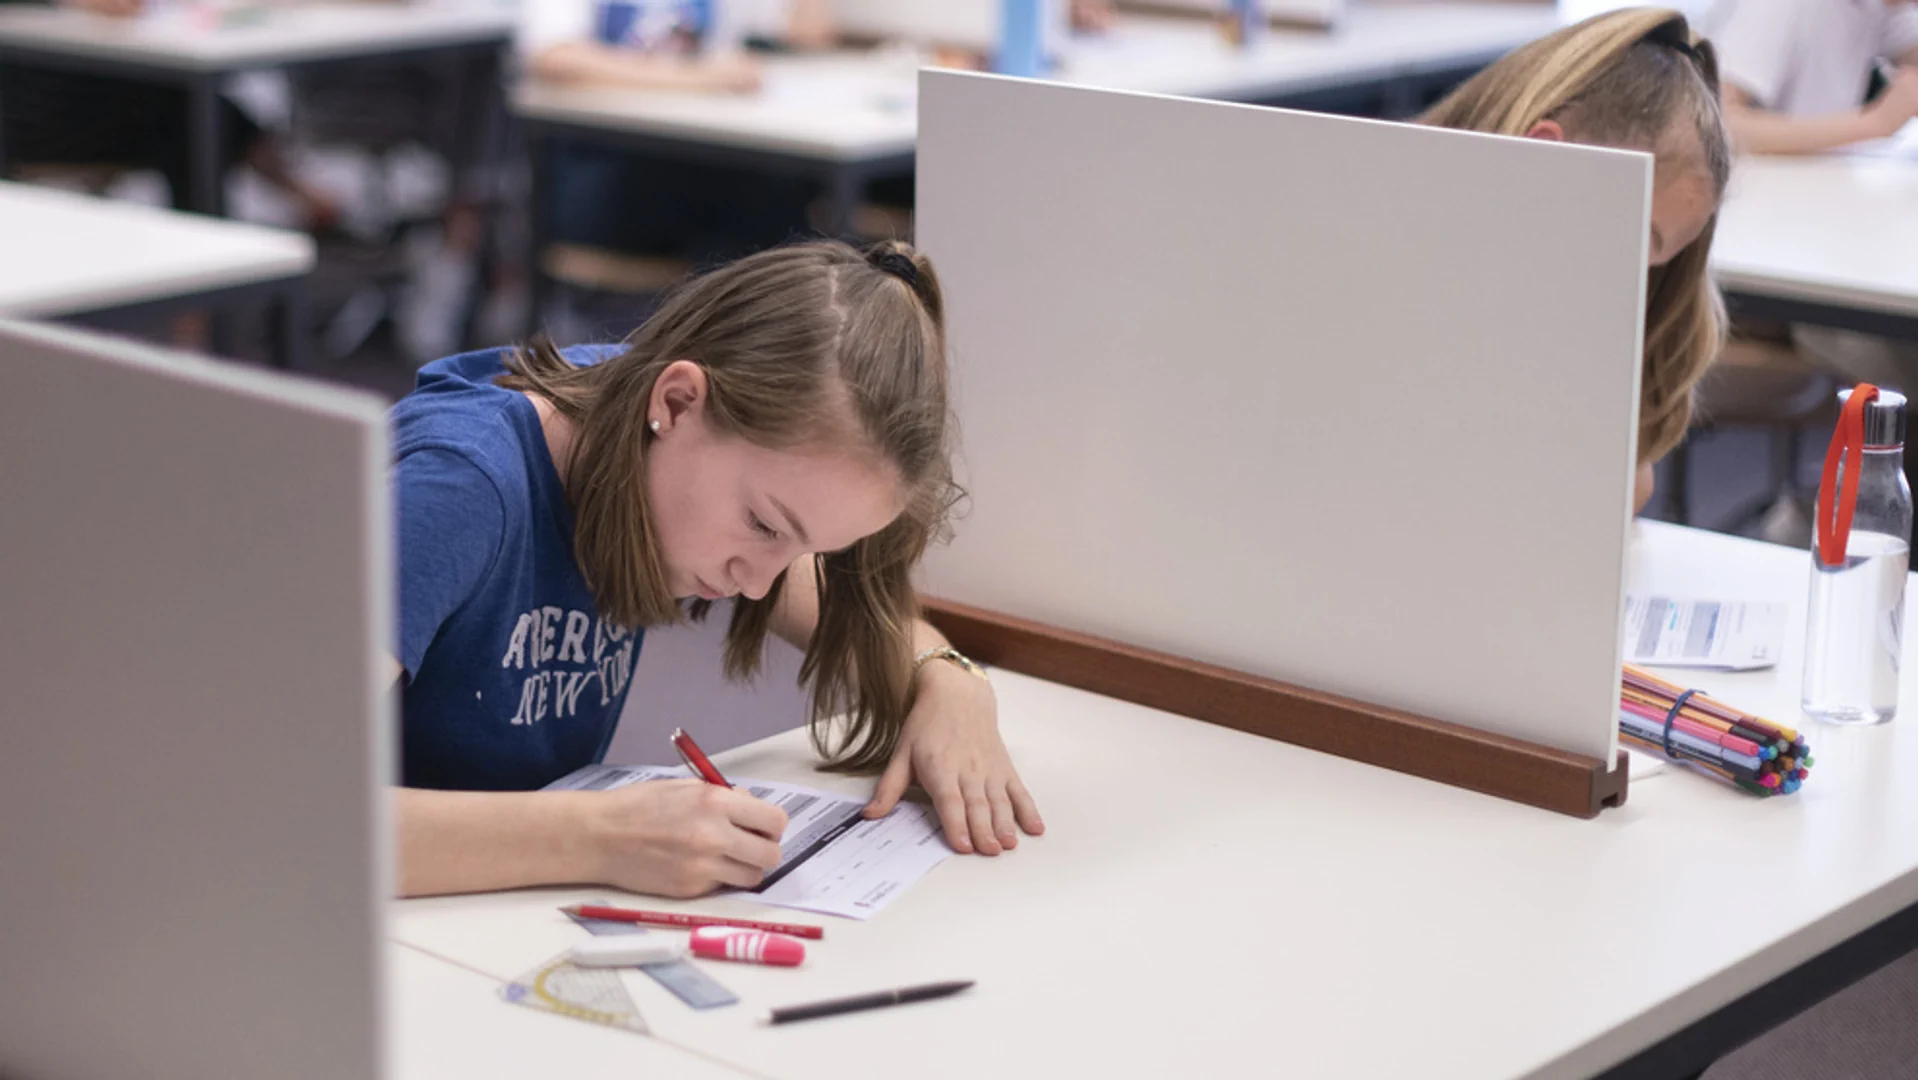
{"x": 651, "y": 25}
{"x": 513, "y": 680}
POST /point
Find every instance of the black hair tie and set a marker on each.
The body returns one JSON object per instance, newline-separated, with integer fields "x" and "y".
{"x": 1673, "y": 36}
{"x": 898, "y": 265}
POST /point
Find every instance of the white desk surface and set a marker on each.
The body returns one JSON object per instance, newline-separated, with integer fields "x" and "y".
{"x": 1374, "y": 39}
{"x": 319, "y": 31}
{"x": 1210, "y": 903}
{"x": 850, "y": 107}
{"x": 1836, "y": 228}
{"x": 67, "y": 253}
{"x": 832, "y": 107}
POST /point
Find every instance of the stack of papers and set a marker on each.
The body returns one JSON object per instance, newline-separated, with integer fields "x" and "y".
{"x": 832, "y": 860}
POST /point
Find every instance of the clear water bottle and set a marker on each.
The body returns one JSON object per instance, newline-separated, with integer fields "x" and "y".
{"x": 1855, "y": 623}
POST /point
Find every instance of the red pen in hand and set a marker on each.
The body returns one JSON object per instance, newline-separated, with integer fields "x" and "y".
{"x": 696, "y": 759}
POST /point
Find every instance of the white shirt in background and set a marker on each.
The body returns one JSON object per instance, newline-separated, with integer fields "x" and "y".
{"x": 1807, "y": 57}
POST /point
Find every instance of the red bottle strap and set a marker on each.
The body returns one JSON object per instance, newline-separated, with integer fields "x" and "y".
{"x": 1834, "y": 522}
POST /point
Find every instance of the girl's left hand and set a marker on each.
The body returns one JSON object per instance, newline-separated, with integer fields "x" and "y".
{"x": 951, "y": 745}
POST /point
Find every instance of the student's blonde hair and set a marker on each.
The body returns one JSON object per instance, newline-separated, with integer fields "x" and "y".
{"x": 791, "y": 340}
{"x": 1632, "y": 78}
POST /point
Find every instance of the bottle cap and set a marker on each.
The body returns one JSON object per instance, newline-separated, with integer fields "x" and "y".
{"x": 1884, "y": 418}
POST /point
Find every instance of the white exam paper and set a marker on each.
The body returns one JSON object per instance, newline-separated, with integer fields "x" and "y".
{"x": 1665, "y": 631}
{"x": 860, "y": 872}
{"x": 831, "y": 860}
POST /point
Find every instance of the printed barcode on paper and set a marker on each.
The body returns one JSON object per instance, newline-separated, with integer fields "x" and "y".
{"x": 1704, "y": 631}
{"x": 794, "y": 803}
{"x": 611, "y": 778}
{"x": 1648, "y": 631}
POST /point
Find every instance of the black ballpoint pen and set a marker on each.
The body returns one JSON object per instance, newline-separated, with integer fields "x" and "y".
{"x": 879, "y": 1000}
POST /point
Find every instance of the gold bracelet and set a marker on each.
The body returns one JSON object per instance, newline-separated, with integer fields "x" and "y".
{"x": 947, "y": 652}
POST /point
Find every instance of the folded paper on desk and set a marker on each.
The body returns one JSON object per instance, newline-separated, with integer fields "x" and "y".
{"x": 832, "y": 861}
{"x": 1731, "y": 635}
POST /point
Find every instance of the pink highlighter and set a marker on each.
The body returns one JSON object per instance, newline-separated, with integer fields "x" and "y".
{"x": 747, "y": 946}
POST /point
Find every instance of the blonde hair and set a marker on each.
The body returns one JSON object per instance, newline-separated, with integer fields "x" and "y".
{"x": 786, "y": 338}
{"x": 1628, "y": 79}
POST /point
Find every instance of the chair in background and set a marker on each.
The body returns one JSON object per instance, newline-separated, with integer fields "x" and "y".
{"x": 1760, "y": 382}
{"x": 600, "y": 294}
{"x": 386, "y": 271}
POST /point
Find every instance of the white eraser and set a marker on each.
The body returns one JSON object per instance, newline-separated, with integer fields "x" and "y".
{"x": 628, "y": 950}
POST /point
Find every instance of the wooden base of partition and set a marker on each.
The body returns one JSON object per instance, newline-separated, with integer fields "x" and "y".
{"x": 1402, "y": 741}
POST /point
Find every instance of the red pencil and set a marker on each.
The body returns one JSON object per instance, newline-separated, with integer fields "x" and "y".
{"x": 696, "y": 758}
{"x": 690, "y": 922}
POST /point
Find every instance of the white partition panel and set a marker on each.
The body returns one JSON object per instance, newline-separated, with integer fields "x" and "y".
{"x": 194, "y": 585}
{"x": 1334, "y": 401}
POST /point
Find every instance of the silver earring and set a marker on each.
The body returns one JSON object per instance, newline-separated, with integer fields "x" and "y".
{"x": 655, "y": 426}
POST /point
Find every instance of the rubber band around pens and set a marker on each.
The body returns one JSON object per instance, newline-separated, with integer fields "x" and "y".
{"x": 1718, "y": 709}
{"x": 1671, "y": 717}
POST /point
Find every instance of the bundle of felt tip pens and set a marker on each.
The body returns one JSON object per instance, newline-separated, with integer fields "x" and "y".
{"x": 1749, "y": 751}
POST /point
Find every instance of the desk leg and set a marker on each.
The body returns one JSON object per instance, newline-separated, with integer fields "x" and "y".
{"x": 844, "y": 188}
{"x": 540, "y": 149}
{"x": 483, "y": 112}
{"x": 222, "y": 336}
{"x": 205, "y": 185}
{"x": 3, "y": 123}
{"x": 205, "y": 153}
{"x": 486, "y": 118}
{"x": 286, "y": 326}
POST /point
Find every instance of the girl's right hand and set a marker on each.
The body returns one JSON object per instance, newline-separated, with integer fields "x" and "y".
{"x": 683, "y": 838}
